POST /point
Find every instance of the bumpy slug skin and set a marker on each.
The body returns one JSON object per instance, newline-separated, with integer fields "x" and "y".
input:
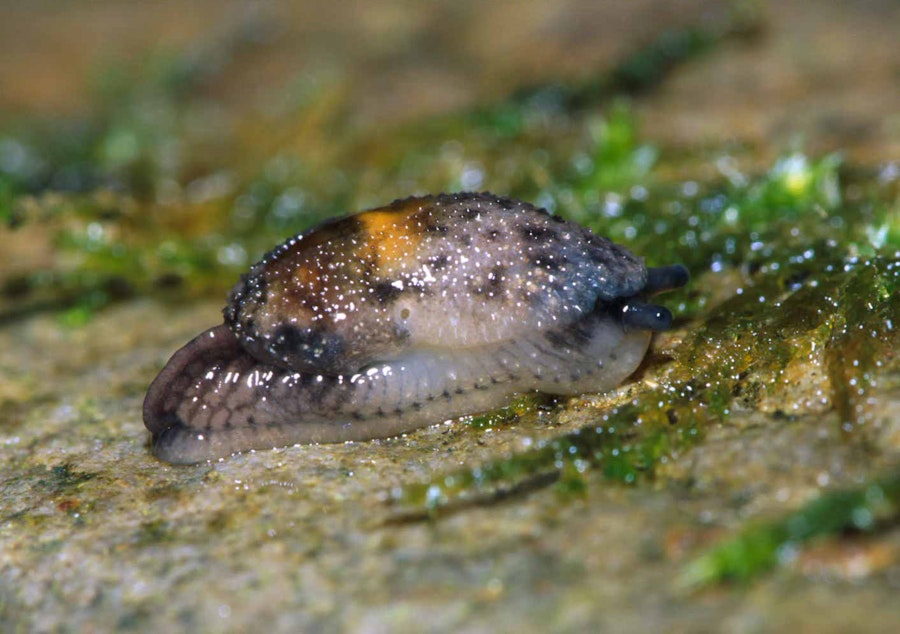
{"x": 403, "y": 316}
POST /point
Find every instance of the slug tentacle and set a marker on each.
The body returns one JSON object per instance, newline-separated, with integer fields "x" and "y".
{"x": 643, "y": 316}
{"x": 665, "y": 278}
{"x": 400, "y": 317}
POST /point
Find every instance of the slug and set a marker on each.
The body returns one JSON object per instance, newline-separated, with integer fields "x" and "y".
{"x": 403, "y": 316}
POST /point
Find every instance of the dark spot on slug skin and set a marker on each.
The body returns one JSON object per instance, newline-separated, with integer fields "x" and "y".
{"x": 386, "y": 291}
{"x": 496, "y": 280}
{"x": 536, "y": 233}
{"x": 392, "y": 319}
{"x": 438, "y": 262}
{"x": 468, "y": 214}
{"x": 546, "y": 262}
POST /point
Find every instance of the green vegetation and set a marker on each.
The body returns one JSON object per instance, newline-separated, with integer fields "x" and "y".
{"x": 759, "y": 548}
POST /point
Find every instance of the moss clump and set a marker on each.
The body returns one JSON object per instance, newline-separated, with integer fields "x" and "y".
{"x": 509, "y": 415}
{"x": 759, "y": 548}
{"x": 64, "y": 479}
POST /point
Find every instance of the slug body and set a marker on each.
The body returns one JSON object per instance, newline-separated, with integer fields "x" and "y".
{"x": 403, "y": 316}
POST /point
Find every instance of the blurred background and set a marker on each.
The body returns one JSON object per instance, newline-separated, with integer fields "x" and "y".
{"x": 400, "y": 59}
{"x": 824, "y": 69}
{"x": 224, "y": 126}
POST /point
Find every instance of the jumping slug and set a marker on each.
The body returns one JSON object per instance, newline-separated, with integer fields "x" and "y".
{"x": 403, "y": 316}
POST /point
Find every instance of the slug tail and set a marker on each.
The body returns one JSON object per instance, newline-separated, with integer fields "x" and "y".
{"x": 173, "y": 439}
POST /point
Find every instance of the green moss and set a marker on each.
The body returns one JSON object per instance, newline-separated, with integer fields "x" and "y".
{"x": 625, "y": 445}
{"x": 759, "y": 548}
{"x": 509, "y": 415}
{"x": 105, "y": 250}
{"x": 64, "y": 479}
